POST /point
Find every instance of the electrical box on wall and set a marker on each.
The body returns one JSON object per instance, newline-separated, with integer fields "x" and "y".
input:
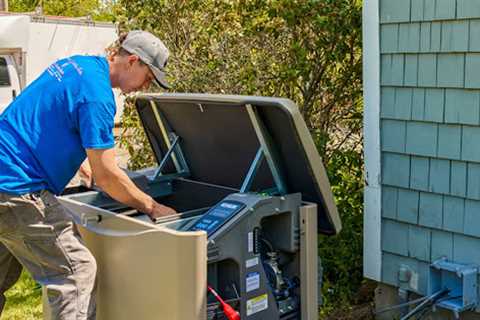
{"x": 460, "y": 279}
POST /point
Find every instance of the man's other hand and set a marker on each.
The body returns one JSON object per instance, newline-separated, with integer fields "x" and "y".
{"x": 160, "y": 210}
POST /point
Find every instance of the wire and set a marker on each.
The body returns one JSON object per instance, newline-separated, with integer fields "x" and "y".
{"x": 426, "y": 303}
{"x": 228, "y": 311}
{"x": 269, "y": 245}
{"x": 401, "y": 305}
{"x": 424, "y": 313}
{"x": 409, "y": 303}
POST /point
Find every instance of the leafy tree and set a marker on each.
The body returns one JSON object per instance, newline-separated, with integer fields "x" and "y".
{"x": 22, "y": 5}
{"x": 97, "y": 9}
{"x": 308, "y": 51}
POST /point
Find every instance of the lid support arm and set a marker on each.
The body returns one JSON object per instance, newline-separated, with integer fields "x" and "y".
{"x": 174, "y": 152}
{"x": 164, "y": 132}
{"x": 252, "y": 172}
{"x": 158, "y": 172}
{"x": 268, "y": 149}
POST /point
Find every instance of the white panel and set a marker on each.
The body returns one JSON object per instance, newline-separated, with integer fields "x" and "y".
{"x": 51, "y": 41}
{"x": 38, "y": 56}
{"x": 14, "y": 32}
{"x": 372, "y": 198}
{"x": 93, "y": 40}
{"x": 62, "y": 41}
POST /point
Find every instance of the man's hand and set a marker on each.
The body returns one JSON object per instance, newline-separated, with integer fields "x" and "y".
{"x": 160, "y": 210}
{"x": 111, "y": 179}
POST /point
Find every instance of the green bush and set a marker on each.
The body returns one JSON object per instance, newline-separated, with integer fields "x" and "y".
{"x": 341, "y": 255}
{"x": 99, "y": 10}
{"x": 308, "y": 51}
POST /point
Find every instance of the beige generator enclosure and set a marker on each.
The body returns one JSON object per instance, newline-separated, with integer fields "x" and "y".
{"x": 251, "y": 194}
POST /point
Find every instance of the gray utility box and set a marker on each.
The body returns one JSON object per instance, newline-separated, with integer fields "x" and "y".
{"x": 251, "y": 194}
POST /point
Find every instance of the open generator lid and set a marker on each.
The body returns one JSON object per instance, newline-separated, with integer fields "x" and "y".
{"x": 220, "y": 136}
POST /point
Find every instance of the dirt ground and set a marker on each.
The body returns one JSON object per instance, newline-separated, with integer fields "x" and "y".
{"x": 363, "y": 306}
{"x": 358, "y": 312}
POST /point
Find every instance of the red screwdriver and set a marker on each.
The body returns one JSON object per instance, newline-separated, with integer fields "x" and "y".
{"x": 228, "y": 311}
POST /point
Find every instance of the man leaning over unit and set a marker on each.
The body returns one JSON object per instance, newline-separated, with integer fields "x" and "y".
{"x": 63, "y": 117}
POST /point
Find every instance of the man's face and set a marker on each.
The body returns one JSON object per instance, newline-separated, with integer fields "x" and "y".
{"x": 134, "y": 75}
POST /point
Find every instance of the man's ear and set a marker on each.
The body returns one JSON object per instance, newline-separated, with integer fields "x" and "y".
{"x": 132, "y": 59}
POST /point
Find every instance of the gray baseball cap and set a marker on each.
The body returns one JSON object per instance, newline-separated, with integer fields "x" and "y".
{"x": 151, "y": 51}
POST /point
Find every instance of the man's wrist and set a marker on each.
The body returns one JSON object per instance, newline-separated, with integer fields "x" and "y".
{"x": 150, "y": 206}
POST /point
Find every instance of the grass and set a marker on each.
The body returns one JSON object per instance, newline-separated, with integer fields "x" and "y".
{"x": 24, "y": 300}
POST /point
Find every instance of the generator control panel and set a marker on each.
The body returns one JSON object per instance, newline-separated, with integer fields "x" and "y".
{"x": 217, "y": 216}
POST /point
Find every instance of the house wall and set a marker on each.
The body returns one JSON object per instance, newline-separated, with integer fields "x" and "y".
{"x": 429, "y": 122}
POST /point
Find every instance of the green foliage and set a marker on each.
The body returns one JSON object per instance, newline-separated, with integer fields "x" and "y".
{"x": 342, "y": 254}
{"x": 99, "y": 10}
{"x": 134, "y": 140}
{"x": 308, "y": 51}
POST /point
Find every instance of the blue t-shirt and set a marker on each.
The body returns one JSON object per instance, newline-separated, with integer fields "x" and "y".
{"x": 44, "y": 132}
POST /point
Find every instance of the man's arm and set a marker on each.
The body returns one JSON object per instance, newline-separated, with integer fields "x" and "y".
{"x": 85, "y": 173}
{"x": 111, "y": 179}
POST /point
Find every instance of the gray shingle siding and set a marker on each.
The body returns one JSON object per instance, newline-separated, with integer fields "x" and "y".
{"x": 430, "y": 134}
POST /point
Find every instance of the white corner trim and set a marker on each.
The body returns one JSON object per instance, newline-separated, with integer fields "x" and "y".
{"x": 372, "y": 255}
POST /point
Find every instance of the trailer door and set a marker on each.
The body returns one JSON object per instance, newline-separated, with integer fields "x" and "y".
{"x": 9, "y": 82}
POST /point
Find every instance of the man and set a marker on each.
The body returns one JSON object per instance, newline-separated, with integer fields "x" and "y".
{"x": 63, "y": 117}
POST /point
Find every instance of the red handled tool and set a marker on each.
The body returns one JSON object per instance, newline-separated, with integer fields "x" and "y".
{"x": 228, "y": 311}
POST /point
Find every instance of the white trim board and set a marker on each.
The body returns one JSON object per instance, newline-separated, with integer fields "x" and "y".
{"x": 372, "y": 255}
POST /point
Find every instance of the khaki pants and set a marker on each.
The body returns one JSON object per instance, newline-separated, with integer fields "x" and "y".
{"x": 37, "y": 232}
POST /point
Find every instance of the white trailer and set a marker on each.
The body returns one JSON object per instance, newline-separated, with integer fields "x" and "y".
{"x": 30, "y": 43}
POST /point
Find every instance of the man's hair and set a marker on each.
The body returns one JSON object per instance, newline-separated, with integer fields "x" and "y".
{"x": 116, "y": 48}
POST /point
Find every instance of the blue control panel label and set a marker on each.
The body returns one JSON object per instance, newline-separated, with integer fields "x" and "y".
{"x": 217, "y": 216}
